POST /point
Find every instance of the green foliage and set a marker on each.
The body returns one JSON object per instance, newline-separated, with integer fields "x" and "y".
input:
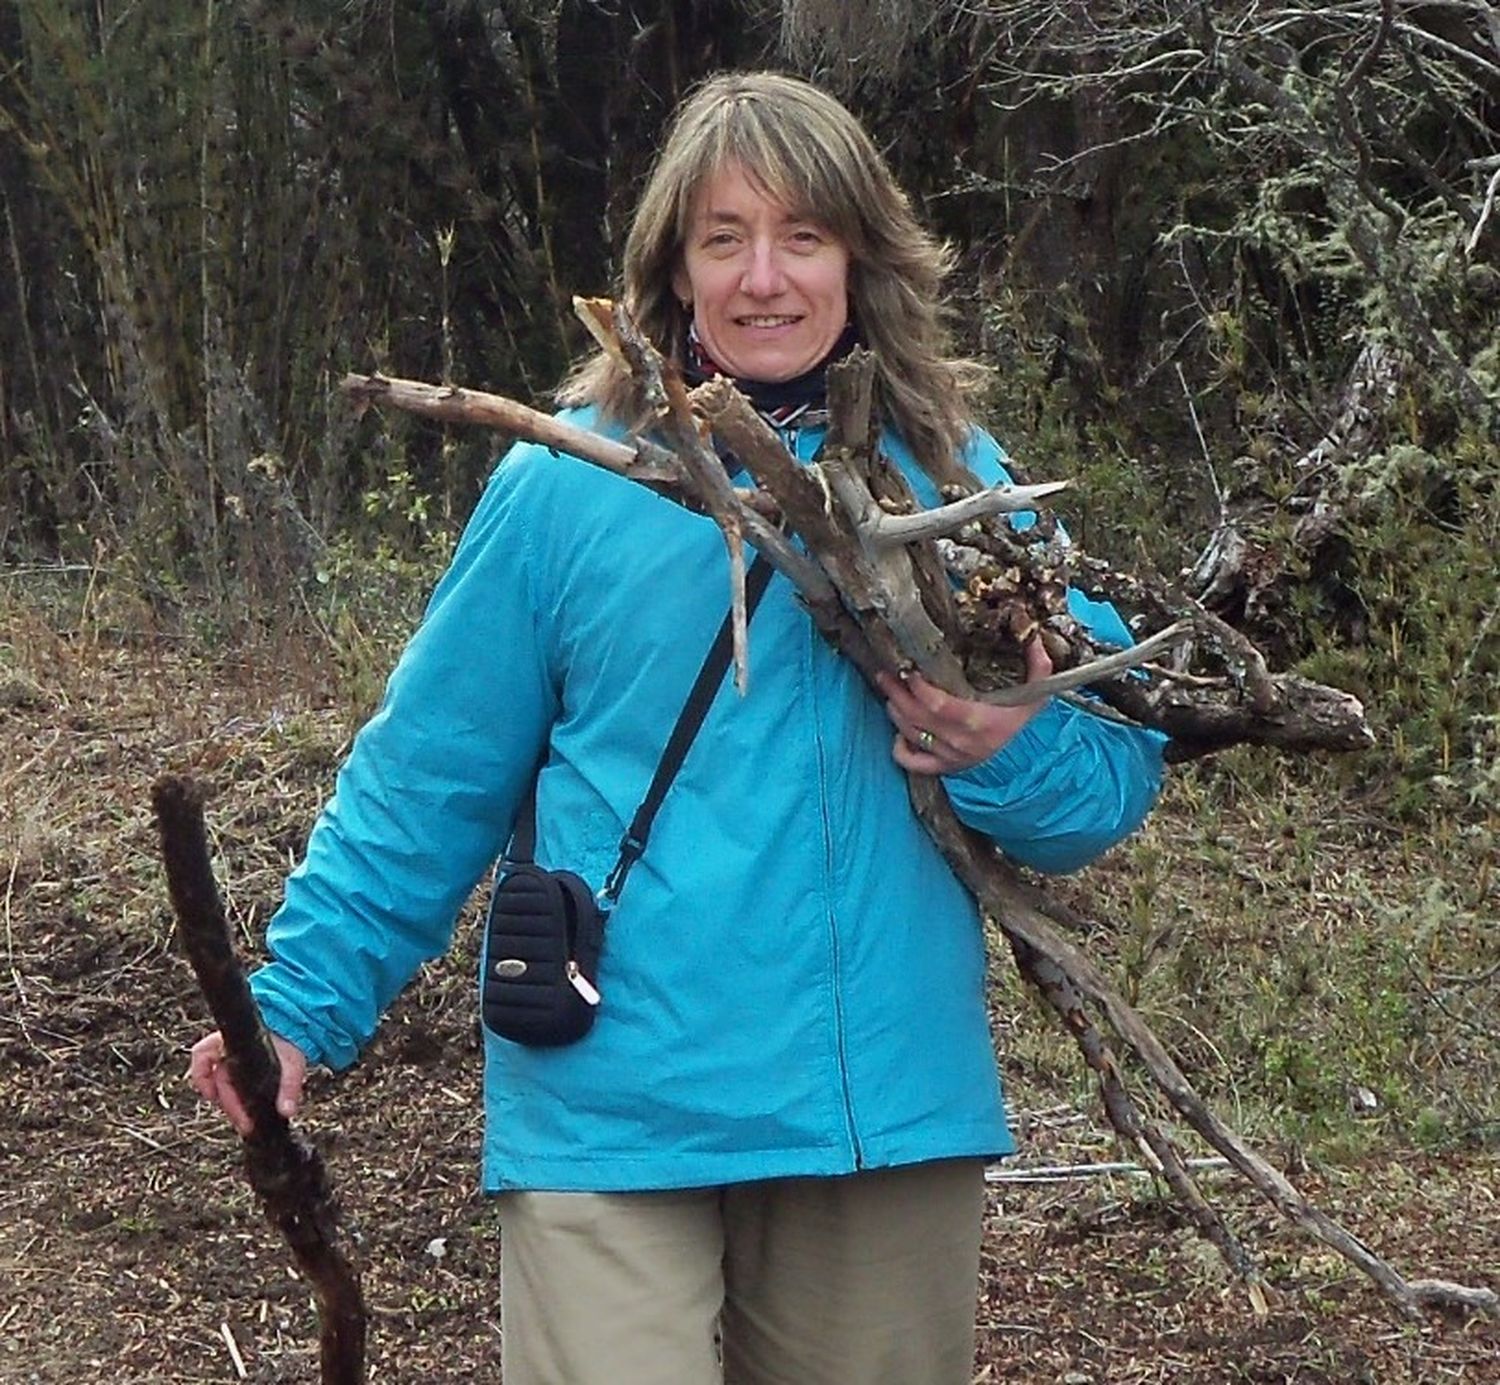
{"x": 1424, "y": 648}
{"x": 1322, "y": 978}
{"x": 1128, "y": 503}
{"x": 373, "y": 582}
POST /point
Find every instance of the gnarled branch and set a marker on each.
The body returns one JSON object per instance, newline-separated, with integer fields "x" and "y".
{"x": 286, "y": 1172}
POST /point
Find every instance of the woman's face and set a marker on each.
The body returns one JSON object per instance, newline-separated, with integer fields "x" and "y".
{"x": 769, "y": 290}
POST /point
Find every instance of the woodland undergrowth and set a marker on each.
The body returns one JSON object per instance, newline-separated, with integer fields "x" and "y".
{"x": 1239, "y": 284}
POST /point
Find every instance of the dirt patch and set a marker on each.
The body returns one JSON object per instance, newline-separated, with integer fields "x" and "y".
{"x": 129, "y": 1246}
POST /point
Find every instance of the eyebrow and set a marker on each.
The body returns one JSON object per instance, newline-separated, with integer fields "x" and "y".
{"x": 713, "y": 215}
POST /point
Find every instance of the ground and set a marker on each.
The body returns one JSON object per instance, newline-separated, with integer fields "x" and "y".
{"x": 130, "y": 1248}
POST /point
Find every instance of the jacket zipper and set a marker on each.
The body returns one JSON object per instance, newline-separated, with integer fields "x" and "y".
{"x": 829, "y": 876}
{"x": 835, "y": 961}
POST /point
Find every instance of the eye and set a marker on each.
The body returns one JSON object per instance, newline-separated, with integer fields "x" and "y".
{"x": 721, "y": 239}
{"x": 808, "y": 237}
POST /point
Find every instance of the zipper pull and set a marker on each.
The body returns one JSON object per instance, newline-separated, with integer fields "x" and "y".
{"x": 580, "y": 983}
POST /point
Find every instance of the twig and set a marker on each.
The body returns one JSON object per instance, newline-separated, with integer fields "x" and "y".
{"x": 1063, "y": 987}
{"x": 1484, "y": 214}
{"x": 155, "y": 1146}
{"x": 1024, "y": 922}
{"x": 44, "y": 570}
{"x": 1208, "y": 460}
{"x": 16, "y": 774}
{"x": 827, "y": 593}
{"x": 697, "y": 464}
{"x": 1367, "y": 59}
{"x": 1063, "y": 1173}
{"x": 739, "y": 617}
{"x": 888, "y": 530}
{"x": 1092, "y": 672}
{"x": 10, "y": 946}
{"x": 1094, "y": 708}
{"x": 640, "y": 461}
{"x": 1482, "y": 634}
{"x": 234, "y": 1350}
{"x": 1483, "y": 1031}
{"x": 895, "y": 594}
{"x": 286, "y": 1173}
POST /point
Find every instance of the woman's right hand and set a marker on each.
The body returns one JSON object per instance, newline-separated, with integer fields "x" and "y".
{"x": 208, "y": 1074}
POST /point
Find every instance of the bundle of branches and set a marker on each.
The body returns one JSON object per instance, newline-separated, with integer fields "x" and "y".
{"x": 952, "y": 592}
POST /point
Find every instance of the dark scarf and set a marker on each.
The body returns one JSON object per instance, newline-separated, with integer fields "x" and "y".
{"x": 800, "y": 402}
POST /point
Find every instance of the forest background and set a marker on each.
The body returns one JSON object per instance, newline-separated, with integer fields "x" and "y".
{"x": 1236, "y": 267}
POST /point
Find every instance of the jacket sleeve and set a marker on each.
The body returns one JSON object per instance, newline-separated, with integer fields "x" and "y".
{"x": 426, "y": 799}
{"x": 1069, "y": 785}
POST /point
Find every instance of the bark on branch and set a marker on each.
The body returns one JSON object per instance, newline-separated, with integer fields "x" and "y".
{"x": 286, "y": 1172}
{"x": 640, "y": 460}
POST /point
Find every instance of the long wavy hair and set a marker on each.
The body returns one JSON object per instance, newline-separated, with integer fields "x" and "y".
{"x": 811, "y": 155}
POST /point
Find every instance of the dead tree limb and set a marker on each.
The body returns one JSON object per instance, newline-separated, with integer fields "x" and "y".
{"x": 1062, "y": 973}
{"x": 893, "y": 607}
{"x": 891, "y": 613}
{"x": 639, "y": 460}
{"x": 286, "y": 1172}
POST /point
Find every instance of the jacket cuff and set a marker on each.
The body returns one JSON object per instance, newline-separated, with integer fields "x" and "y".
{"x": 288, "y": 1023}
{"x": 1062, "y": 790}
{"x": 1034, "y": 744}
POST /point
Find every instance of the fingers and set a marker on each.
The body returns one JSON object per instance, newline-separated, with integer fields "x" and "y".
{"x": 911, "y": 756}
{"x": 293, "y": 1075}
{"x": 940, "y": 734}
{"x": 916, "y": 700}
{"x": 203, "y": 1058}
{"x": 1038, "y": 661}
{"x": 208, "y": 1075}
{"x": 943, "y": 734}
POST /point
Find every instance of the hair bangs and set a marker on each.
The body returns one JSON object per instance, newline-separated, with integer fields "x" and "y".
{"x": 788, "y": 153}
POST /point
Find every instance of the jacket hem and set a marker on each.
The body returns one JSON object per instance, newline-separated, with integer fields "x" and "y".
{"x": 647, "y": 1173}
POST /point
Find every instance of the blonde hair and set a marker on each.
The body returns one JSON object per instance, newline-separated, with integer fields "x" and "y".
{"x": 814, "y": 157}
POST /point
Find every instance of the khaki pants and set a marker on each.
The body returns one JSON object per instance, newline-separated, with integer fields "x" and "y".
{"x": 864, "y": 1280}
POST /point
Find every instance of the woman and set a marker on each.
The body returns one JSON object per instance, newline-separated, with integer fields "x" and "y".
{"x": 769, "y": 1148}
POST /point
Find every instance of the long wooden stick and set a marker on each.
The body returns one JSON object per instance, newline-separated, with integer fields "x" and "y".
{"x": 285, "y": 1171}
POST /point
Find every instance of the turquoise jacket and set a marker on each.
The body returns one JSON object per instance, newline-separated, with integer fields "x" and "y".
{"x": 793, "y": 979}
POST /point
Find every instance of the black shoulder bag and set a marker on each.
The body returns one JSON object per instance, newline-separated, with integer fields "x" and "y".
{"x": 545, "y": 928}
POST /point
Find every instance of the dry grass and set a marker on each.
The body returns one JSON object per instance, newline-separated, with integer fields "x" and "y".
{"x": 1293, "y": 952}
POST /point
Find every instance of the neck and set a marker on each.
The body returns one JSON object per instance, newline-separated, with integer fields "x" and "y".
{"x": 772, "y": 397}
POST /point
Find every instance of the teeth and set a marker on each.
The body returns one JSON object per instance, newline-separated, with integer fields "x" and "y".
{"x": 766, "y": 321}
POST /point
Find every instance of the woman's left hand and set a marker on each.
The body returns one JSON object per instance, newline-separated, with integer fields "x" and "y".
{"x": 943, "y": 734}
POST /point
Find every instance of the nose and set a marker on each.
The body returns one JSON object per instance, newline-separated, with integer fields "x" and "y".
{"x": 763, "y": 277}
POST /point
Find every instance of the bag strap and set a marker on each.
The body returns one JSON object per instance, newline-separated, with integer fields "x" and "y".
{"x": 689, "y": 720}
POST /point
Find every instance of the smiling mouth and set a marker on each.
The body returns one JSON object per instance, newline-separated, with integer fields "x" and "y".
{"x": 767, "y": 321}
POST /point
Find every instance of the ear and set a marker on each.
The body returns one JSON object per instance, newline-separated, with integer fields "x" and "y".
{"x": 682, "y": 286}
